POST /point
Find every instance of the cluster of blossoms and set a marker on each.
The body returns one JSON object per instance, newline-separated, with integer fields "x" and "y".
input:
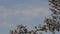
{"x": 23, "y": 30}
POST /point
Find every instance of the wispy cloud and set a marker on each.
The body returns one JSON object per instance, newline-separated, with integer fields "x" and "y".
{"x": 5, "y": 25}
{"x": 28, "y": 13}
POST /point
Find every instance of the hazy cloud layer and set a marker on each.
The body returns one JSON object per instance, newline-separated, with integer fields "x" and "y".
{"x": 26, "y": 13}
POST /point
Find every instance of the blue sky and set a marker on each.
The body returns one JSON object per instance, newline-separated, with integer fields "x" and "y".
{"x": 27, "y": 12}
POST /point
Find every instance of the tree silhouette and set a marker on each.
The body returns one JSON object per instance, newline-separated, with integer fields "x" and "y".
{"x": 54, "y": 24}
